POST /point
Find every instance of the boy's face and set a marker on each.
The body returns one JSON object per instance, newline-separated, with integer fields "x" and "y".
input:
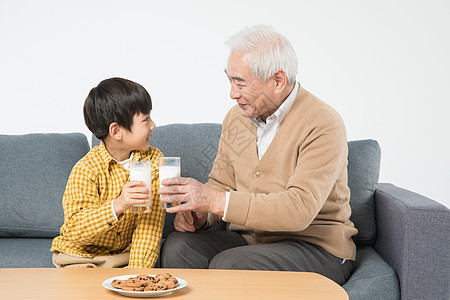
{"x": 141, "y": 130}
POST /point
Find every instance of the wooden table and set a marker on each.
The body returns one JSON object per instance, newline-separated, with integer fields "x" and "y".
{"x": 202, "y": 284}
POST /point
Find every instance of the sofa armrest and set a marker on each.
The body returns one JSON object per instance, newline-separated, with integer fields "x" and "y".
{"x": 413, "y": 237}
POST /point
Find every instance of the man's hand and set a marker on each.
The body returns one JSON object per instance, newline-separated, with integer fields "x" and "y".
{"x": 189, "y": 221}
{"x": 133, "y": 192}
{"x": 193, "y": 195}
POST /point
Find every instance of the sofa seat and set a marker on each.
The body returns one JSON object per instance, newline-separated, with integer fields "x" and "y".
{"x": 372, "y": 276}
{"x": 25, "y": 253}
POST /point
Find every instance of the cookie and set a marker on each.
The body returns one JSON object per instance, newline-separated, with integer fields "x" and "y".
{"x": 145, "y": 278}
{"x": 155, "y": 287}
{"x": 145, "y": 282}
{"x": 171, "y": 283}
{"x": 163, "y": 277}
{"x": 118, "y": 283}
{"x": 134, "y": 282}
{"x": 132, "y": 288}
{"x": 167, "y": 279}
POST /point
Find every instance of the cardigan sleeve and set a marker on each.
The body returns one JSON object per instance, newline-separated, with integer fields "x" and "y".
{"x": 222, "y": 175}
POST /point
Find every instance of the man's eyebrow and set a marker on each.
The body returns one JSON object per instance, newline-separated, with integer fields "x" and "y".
{"x": 237, "y": 78}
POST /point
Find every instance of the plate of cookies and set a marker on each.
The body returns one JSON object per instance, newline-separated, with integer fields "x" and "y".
{"x": 144, "y": 285}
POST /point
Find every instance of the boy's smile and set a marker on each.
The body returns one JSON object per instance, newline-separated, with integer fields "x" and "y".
{"x": 141, "y": 131}
{"x": 125, "y": 141}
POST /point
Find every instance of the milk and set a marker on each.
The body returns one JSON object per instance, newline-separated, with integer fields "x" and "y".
{"x": 142, "y": 171}
{"x": 168, "y": 172}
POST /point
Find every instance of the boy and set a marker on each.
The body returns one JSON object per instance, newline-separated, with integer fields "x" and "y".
{"x": 99, "y": 228}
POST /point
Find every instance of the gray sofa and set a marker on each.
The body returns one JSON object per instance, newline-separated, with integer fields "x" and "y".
{"x": 403, "y": 239}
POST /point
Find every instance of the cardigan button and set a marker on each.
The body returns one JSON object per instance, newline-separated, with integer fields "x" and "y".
{"x": 257, "y": 174}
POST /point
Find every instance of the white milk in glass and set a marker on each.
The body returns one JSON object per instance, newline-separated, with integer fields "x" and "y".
{"x": 169, "y": 171}
{"x": 142, "y": 171}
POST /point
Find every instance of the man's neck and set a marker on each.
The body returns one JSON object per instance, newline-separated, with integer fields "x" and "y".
{"x": 283, "y": 96}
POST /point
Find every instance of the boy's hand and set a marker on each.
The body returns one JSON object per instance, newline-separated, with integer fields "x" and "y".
{"x": 133, "y": 192}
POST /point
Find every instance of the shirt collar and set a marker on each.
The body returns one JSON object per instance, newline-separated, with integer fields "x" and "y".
{"x": 107, "y": 158}
{"x": 104, "y": 154}
{"x": 281, "y": 112}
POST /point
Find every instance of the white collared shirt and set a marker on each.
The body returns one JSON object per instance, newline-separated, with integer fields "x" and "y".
{"x": 266, "y": 131}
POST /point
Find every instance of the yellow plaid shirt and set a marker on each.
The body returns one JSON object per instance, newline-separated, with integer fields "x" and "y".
{"x": 90, "y": 228}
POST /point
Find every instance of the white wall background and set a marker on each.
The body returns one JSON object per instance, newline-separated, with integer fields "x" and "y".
{"x": 384, "y": 65}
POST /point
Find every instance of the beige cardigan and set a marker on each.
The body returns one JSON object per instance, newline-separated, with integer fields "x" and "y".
{"x": 299, "y": 187}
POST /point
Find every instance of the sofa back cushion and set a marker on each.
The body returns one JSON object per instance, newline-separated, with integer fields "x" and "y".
{"x": 34, "y": 169}
{"x": 196, "y": 144}
{"x": 363, "y": 172}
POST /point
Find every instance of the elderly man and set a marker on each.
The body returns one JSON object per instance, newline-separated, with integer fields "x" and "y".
{"x": 279, "y": 178}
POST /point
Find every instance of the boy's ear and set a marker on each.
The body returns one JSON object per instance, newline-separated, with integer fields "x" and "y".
{"x": 114, "y": 131}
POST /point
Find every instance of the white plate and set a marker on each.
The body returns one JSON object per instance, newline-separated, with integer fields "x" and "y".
{"x": 144, "y": 294}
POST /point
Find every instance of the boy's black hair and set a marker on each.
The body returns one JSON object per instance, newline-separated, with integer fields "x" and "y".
{"x": 114, "y": 100}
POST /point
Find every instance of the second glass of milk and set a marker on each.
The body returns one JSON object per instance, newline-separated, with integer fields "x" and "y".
{"x": 169, "y": 167}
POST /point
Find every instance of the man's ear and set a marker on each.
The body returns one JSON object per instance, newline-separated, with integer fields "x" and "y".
{"x": 115, "y": 131}
{"x": 280, "y": 81}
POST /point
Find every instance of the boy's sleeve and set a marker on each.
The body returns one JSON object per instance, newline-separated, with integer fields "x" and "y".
{"x": 84, "y": 219}
{"x": 146, "y": 239}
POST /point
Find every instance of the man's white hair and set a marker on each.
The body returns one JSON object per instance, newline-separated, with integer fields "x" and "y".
{"x": 268, "y": 50}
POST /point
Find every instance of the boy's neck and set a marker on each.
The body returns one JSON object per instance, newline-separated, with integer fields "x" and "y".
{"x": 116, "y": 149}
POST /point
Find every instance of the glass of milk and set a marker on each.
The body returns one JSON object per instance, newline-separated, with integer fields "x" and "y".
{"x": 142, "y": 171}
{"x": 169, "y": 167}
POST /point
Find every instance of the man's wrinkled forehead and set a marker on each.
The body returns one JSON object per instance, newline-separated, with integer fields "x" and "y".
{"x": 238, "y": 68}
{"x": 235, "y": 78}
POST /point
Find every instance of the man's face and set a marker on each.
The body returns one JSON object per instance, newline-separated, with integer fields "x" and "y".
{"x": 254, "y": 97}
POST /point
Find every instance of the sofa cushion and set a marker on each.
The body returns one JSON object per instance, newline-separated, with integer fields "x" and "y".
{"x": 372, "y": 277}
{"x": 196, "y": 144}
{"x": 26, "y": 253}
{"x": 33, "y": 174}
{"x": 363, "y": 171}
